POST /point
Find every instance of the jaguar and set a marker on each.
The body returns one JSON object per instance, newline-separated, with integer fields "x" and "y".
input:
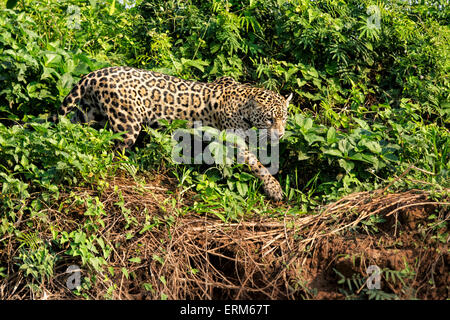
{"x": 128, "y": 98}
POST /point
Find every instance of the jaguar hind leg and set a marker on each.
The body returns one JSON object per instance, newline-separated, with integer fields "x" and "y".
{"x": 130, "y": 132}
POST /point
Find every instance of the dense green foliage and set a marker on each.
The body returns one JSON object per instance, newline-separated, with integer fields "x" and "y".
{"x": 371, "y": 99}
{"x": 330, "y": 53}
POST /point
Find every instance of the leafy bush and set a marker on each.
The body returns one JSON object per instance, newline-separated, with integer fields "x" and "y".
{"x": 332, "y": 54}
{"x": 370, "y": 110}
{"x": 362, "y": 157}
{"x": 42, "y": 158}
{"x": 45, "y": 50}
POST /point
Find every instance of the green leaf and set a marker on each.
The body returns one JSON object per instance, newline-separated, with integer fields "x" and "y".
{"x": 158, "y": 258}
{"x": 345, "y": 146}
{"x": 135, "y": 260}
{"x": 220, "y": 216}
{"x": 244, "y": 176}
{"x": 302, "y": 156}
{"x": 300, "y": 82}
{"x": 112, "y": 8}
{"x": 242, "y": 188}
{"x": 311, "y": 138}
{"x": 363, "y": 124}
{"x": 373, "y": 146}
{"x": 47, "y": 73}
{"x": 333, "y": 152}
{"x": 313, "y": 72}
{"x": 81, "y": 68}
{"x": 390, "y": 157}
{"x": 11, "y": 4}
{"x": 147, "y": 287}
{"x": 357, "y": 157}
{"x": 125, "y": 273}
{"x": 373, "y": 160}
{"x": 307, "y": 124}
{"x": 24, "y": 161}
{"x": 347, "y": 165}
{"x": 331, "y": 135}
{"x": 52, "y": 58}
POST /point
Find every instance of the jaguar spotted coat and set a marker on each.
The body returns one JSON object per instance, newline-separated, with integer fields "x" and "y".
{"x": 128, "y": 98}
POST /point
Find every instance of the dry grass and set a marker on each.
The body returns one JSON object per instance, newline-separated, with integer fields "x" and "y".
{"x": 200, "y": 257}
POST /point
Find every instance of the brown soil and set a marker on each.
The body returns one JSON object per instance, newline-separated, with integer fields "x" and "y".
{"x": 319, "y": 256}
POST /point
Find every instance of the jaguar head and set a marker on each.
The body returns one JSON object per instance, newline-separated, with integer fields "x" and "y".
{"x": 268, "y": 110}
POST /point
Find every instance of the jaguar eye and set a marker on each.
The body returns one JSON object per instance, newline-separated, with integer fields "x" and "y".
{"x": 269, "y": 122}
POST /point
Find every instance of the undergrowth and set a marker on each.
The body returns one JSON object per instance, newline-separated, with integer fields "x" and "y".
{"x": 370, "y": 112}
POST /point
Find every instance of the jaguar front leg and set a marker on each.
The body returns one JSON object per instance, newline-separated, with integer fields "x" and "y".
{"x": 271, "y": 186}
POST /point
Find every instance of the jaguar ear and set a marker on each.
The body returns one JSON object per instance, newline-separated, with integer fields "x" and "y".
{"x": 289, "y": 98}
